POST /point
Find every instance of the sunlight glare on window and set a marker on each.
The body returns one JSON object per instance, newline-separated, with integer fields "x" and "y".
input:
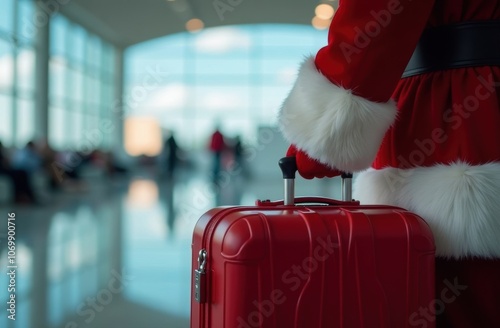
{"x": 142, "y": 136}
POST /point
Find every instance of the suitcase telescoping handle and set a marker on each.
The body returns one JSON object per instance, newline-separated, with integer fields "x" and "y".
{"x": 288, "y": 167}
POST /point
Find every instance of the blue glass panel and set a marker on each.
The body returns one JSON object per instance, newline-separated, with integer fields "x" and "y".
{"x": 58, "y": 33}
{"x": 79, "y": 37}
{"x": 27, "y": 22}
{"x": 6, "y": 130}
{"x": 6, "y": 66}
{"x": 6, "y": 16}
{"x": 26, "y": 69}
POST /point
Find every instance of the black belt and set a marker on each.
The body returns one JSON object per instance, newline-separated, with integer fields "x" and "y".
{"x": 454, "y": 46}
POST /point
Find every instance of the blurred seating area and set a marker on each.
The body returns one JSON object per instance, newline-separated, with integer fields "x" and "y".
{"x": 35, "y": 173}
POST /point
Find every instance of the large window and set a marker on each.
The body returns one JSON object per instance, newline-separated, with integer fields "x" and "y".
{"x": 81, "y": 87}
{"x": 80, "y": 79}
{"x": 17, "y": 65}
{"x": 235, "y": 76}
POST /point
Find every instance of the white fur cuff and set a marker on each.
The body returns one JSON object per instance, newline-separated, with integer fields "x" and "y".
{"x": 460, "y": 202}
{"x": 331, "y": 124}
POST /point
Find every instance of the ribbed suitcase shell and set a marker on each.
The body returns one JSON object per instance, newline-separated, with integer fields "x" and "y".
{"x": 311, "y": 266}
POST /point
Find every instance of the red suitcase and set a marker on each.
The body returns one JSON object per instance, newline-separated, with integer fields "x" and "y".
{"x": 330, "y": 264}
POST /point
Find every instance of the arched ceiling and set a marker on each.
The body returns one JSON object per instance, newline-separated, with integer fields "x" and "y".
{"x": 128, "y": 22}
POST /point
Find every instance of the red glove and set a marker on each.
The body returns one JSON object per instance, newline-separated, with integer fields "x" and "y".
{"x": 310, "y": 168}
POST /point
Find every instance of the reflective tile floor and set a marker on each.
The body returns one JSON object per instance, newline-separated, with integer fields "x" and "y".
{"x": 117, "y": 254}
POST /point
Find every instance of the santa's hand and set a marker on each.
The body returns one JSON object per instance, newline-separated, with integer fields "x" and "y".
{"x": 310, "y": 168}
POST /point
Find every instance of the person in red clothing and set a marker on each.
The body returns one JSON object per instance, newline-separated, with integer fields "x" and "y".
{"x": 406, "y": 93}
{"x": 217, "y": 146}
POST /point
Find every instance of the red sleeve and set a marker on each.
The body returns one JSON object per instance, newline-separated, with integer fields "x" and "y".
{"x": 370, "y": 43}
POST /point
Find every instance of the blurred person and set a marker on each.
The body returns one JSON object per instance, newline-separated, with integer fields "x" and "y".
{"x": 23, "y": 189}
{"x": 55, "y": 173}
{"x": 217, "y": 146}
{"x": 238, "y": 152}
{"x": 68, "y": 165}
{"x": 27, "y": 159}
{"x": 407, "y": 93}
{"x": 4, "y": 160}
{"x": 171, "y": 149}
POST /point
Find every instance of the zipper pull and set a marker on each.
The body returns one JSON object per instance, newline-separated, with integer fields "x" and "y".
{"x": 199, "y": 277}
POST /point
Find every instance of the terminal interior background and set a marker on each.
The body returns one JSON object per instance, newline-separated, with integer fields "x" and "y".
{"x": 109, "y": 81}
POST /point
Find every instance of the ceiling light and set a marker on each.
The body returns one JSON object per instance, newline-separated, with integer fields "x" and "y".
{"x": 324, "y": 11}
{"x": 194, "y": 25}
{"x": 319, "y": 23}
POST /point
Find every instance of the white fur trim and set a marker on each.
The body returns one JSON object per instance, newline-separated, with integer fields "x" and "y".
{"x": 460, "y": 202}
{"x": 331, "y": 124}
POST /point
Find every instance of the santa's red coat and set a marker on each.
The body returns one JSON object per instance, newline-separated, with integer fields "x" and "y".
{"x": 429, "y": 143}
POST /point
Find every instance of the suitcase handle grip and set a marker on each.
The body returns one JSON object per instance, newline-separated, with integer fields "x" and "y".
{"x": 288, "y": 166}
{"x": 309, "y": 200}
